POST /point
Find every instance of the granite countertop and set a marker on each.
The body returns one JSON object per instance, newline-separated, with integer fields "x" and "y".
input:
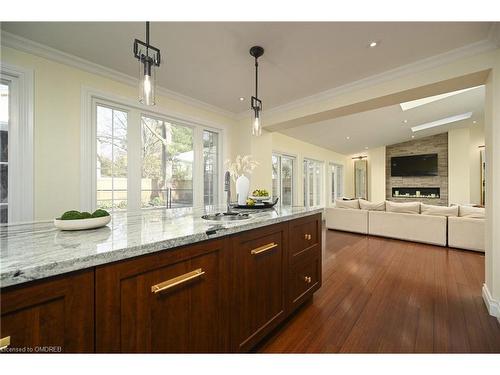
{"x": 38, "y": 250}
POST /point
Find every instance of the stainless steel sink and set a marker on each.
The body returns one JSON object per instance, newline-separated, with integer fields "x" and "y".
{"x": 226, "y": 216}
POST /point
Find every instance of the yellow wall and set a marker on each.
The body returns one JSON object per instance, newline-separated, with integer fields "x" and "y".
{"x": 57, "y": 103}
{"x": 57, "y": 118}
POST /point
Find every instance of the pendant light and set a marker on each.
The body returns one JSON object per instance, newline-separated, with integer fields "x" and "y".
{"x": 256, "y": 52}
{"x": 149, "y": 58}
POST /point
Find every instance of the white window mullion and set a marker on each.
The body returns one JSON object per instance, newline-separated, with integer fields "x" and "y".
{"x": 134, "y": 176}
{"x": 198, "y": 177}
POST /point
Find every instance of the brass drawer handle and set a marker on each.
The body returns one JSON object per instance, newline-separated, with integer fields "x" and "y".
{"x": 161, "y": 287}
{"x": 264, "y": 248}
{"x": 307, "y": 236}
{"x": 307, "y": 279}
{"x": 4, "y": 343}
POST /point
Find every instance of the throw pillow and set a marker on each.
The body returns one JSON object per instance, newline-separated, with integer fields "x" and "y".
{"x": 339, "y": 203}
{"x": 403, "y": 208}
{"x": 472, "y": 212}
{"x": 429, "y": 209}
{"x": 371, "y": 206}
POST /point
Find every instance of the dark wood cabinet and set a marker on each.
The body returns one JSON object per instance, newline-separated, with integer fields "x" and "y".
{"x": 259, "y": 264}
{"x": 304, "y": 259}
{"x": 55, "y": 315}
{"x": 221, "y": 295}
{"x": 172, "y": 301}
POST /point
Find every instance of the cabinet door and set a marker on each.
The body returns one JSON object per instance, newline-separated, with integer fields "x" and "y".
{"x": 259, "y": 270}
{"x": 55, "y": 315}
{"x": 170, "y": 302}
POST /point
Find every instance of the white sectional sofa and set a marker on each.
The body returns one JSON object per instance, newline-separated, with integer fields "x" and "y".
{"x": 459, "y": 226}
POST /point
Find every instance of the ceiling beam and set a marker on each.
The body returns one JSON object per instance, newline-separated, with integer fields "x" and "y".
{"x": 453, "y": 84}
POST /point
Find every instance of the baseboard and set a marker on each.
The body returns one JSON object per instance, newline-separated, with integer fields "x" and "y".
{"x": 492, "y": 304}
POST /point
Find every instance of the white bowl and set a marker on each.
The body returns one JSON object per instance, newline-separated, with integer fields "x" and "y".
{"x": 95, "y": 222}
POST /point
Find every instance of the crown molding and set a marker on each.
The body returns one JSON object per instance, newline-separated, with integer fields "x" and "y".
{"x": 26, "y": 45}
{"x": 404, "y": 70}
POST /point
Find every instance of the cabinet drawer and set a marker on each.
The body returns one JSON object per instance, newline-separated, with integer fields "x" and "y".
{"x": 305, "y": 234}
{"x": 305, "y": 279}
{"x": 172, "y": 302}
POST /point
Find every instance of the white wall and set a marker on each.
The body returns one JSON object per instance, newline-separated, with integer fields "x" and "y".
{"x": 376, "y": 174}
{"x": 492, "y": 142}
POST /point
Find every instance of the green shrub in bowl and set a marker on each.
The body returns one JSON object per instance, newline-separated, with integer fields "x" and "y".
{"x": 76, "y": 220}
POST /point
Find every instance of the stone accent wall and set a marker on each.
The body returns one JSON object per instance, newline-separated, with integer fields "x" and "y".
{"x": 436, "y": 144}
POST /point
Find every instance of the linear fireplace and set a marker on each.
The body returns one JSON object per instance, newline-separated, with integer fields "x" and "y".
{"x": 416, "y": 192}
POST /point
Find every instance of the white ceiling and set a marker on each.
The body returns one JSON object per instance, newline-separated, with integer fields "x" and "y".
{"x": 385, "y": 126}
{"x": 210, "y": 61}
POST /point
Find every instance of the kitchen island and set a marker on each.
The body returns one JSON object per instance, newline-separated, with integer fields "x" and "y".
{"x": 157, "y": 281}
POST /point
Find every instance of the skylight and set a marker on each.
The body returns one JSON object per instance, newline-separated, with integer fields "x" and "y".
{"x": 443, "y": 121}
{"x": 419, "y": 102}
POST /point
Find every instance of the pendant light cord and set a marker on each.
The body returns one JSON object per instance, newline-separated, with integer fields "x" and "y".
{"x": 256, "y": 78}
{"x": 147, "y": 38}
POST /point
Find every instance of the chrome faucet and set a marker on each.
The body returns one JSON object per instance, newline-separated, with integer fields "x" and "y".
{"x": 227, "y": 188}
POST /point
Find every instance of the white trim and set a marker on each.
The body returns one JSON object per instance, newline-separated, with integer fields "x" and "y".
{"x": 492, "y": 304}
{"x": 26, "y": 45}
{"x": 418, "y": 66}
{"x": 20, "y": 144}
{"x": 91, "y": 96}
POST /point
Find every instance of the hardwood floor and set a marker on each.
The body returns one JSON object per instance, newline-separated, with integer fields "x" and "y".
{"x": 387, "y": 296}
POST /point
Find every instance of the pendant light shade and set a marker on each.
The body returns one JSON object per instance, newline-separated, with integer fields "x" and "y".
{"x": 256, "y": 103}
{"x": 149, "y": 58}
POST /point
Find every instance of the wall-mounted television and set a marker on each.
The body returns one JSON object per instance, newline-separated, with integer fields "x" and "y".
{"x": 414, "y": 165}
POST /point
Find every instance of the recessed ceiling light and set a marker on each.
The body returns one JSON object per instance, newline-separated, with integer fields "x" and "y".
{"x": 413, "y": 136}
{"x": 366, "y": 148}
{"x": 373, "y": 44}
{"x": 347, "y": 137}
{"x": 474, "y": 122}
{"x": 242, "y": 98}
{"x": 405, "y": 121}
{"x": 442, "y": 121}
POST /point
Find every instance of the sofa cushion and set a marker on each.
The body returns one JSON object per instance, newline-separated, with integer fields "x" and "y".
{"x": 429, "y": 209}
{"x": 403, "y": 208}
{"x": 340, "y": 203}
{"x": 371, "y": 206}
{"x": 472, "y": 212}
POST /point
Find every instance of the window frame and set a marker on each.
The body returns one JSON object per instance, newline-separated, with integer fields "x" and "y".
{"x": 135, "y": 110}
{"x": 294, "y": 159}
{"x": 331, "y": 200}
{"x": 321, "y": 183}
{"x": 20, "y": 142}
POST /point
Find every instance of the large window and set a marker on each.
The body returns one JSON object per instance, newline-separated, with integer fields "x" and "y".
{"x": 112, "y": 158}
{"x": 283, "y": 177}
{"x": 313, "y": 183}
{"x": 4, "y": 151}
{"x": 167, "y": 164}
{"x": 336, "y": 181}
{"x": 148, "y": 161}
